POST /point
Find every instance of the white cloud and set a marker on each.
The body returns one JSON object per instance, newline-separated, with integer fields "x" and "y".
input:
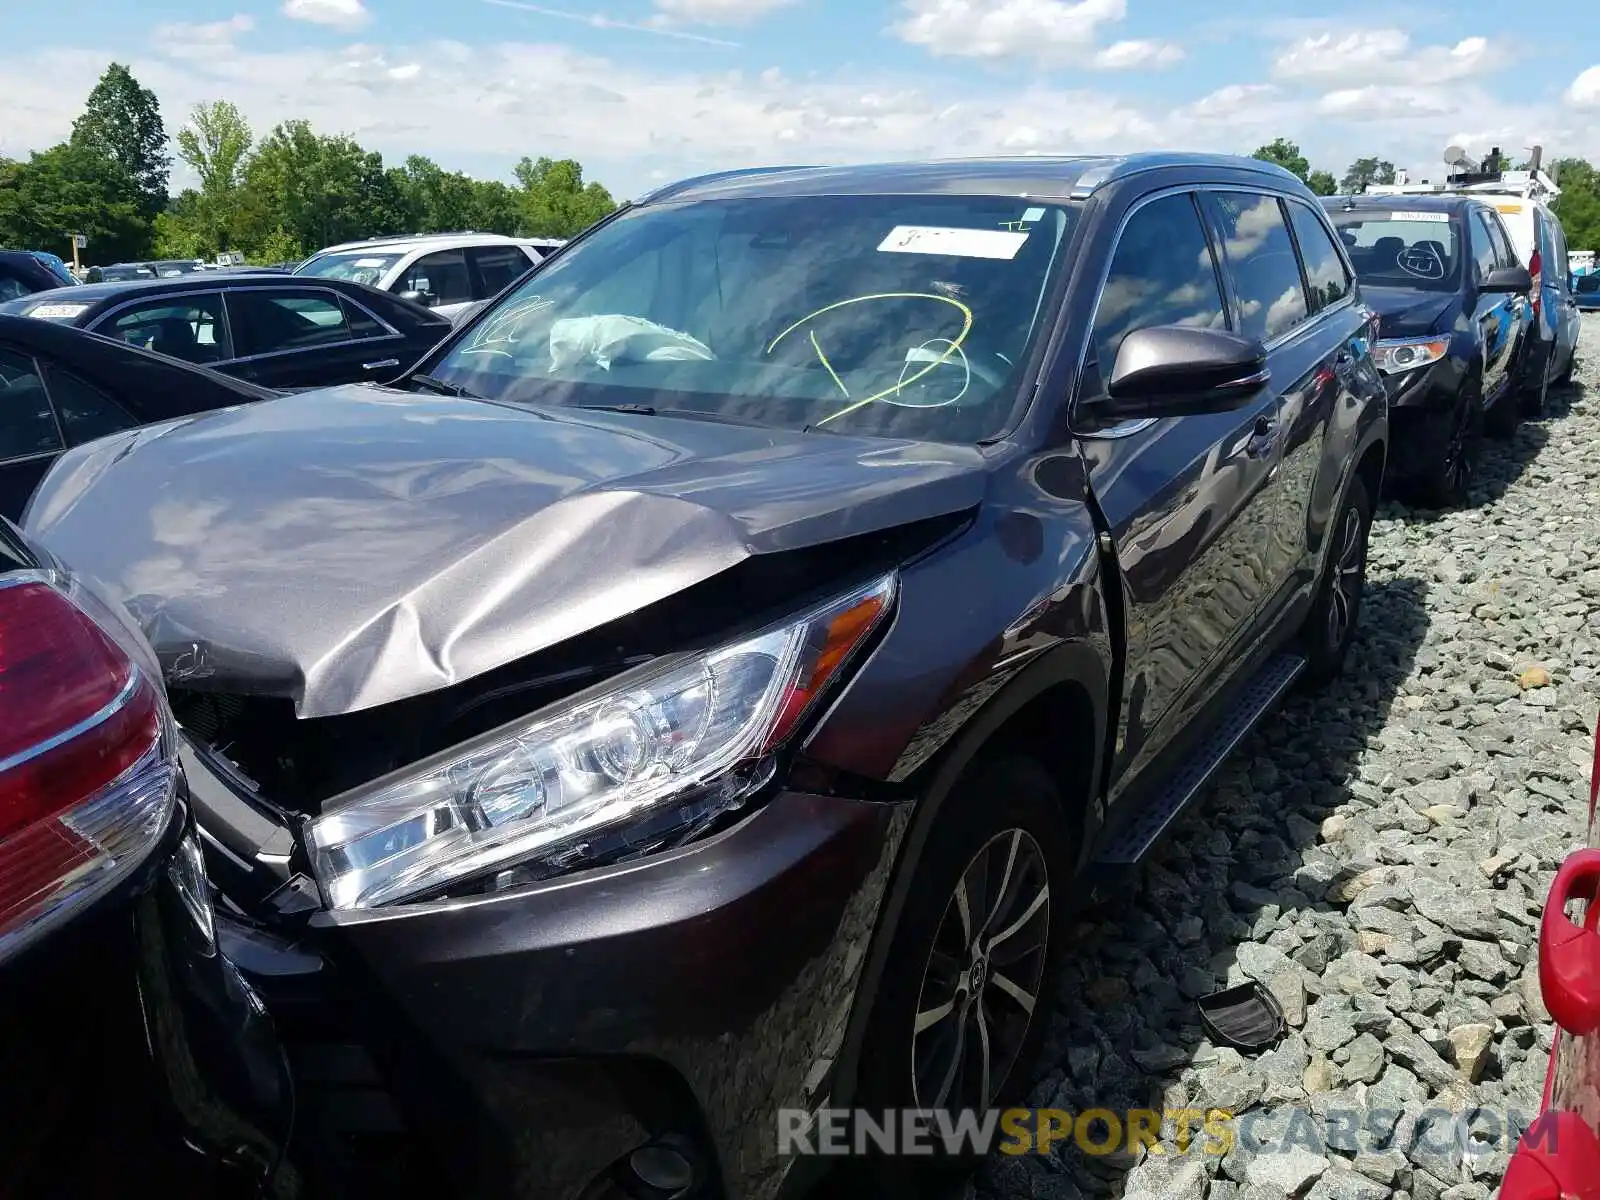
{"x": 659, "y": 25}
{"x": 341, "y": 14}
{"x": 1585, "y": 89}
{"x": 1384, "y": 103}
{"x": 1378, "y": 56}
{"x": 185, "y": 40}
{"x": 1045, "y": 29}
{"x": 472, "y": 107}
{"x": 1232, "y": 100}
{"x": 720, "y": 12}
{"x": 1131, "y": 55}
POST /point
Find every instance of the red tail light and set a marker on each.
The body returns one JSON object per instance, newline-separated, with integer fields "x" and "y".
{"x": 1535, "y": 267}
{"x": 86, "y": 770}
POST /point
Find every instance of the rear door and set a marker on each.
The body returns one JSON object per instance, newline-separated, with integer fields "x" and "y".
{"x": 30, "y": 438}
{"x": 1184, "y": 497}
{"x": 301, "y": 337}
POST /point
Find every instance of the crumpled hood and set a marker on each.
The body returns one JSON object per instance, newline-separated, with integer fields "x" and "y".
{"x": 353, "y": 546}
{"x": 1405, "y": 313}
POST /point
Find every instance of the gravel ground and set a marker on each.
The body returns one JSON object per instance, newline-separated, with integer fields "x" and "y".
{"x": 1378, "y": 856}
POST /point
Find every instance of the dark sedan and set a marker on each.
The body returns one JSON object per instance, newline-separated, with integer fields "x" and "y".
{"x": 260, "y": 326}
{"x": 1455, "y": 328}
{"x": 24, "y": 274}
{"x": 60, "y": 388}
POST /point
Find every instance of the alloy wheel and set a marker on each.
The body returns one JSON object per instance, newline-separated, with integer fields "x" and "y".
{"x": 983, "y": 976}
{"x": 1349, "y": 571}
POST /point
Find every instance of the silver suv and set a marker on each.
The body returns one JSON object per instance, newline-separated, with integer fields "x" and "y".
{"x": 448, "y": 272}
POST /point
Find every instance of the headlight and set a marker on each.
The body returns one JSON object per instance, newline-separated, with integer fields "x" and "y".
{"x": 1394, "y": 355}
{"x": 675, "y": 742}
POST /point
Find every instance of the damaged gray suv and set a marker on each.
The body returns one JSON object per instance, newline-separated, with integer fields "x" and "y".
{"x": 698, "y": 691}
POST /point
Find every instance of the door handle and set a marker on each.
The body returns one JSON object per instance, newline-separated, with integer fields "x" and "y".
{"x": 380, "y": 364}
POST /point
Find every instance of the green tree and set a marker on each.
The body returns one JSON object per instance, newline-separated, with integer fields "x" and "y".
{"x": 73, "y": 188}
{"x": 1578, "y": 206}
{"x": 215, "y": 144}
{"x": 318, "y": 190}
{"x": 1323, "y": 183}
{"x": 1286, "y": 154}
{"x": 1366, "y": 171}
{"x": 555, "y": 200}
{"x": 122, "y": 122}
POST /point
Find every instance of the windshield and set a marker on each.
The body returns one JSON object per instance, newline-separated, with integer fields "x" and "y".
{"x": 124, "y": 274}
{"x": 354, "y": 265}
{"x": 1401, "y": 249}
{"x": 893, "y": 316}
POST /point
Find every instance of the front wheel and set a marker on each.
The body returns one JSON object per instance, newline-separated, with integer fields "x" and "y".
{"x": 1448, "y": 479}
{"x": 957, "y": 1021}
{"x": 1336, "y": 611}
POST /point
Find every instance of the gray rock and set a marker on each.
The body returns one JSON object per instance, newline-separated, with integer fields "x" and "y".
{"x": 1288, "y": 1172}
{"x": 1469, "y": 914}
{"x": 1363, "y": 1060}
{"x": 1168, "y": 1177}
{"x": 1411, "y": 1051}
{"x": 1341, "y": 1183}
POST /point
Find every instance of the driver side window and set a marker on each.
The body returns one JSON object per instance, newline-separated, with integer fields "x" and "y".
{"x": 1162, "y": 273}
{"x": 1482, "y": 244}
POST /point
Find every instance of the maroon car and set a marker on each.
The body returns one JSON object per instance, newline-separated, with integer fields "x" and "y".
{"x": 1559, "y": 1157}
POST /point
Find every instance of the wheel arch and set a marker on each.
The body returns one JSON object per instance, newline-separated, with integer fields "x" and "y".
{"x": 1069, "y": 684}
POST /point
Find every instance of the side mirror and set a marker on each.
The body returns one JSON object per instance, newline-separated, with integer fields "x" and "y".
{"x": 1569, "y": 954}
{"x": 1179, "y": 370}
{"x": 1508, "y": 279}
{"x": 423, "y": 298}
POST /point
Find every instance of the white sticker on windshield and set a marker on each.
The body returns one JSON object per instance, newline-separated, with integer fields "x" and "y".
{"x": 1032, "y": 215}
{"x": 959, "y": 243}
{"x": 1438, "y": 218}
{"x": 369, "y": 262}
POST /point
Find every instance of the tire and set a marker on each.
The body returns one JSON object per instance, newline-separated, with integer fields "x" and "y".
{"x": 1336, "y": 611}
{"x": 1530, "y": 402}
{"x": 1565, "y": 378}
{"x": 1446, "y": 482}
{"x": 1005, "y": 808}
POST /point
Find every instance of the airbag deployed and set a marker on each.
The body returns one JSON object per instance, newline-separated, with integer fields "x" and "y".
{"x": 603, "y": 340}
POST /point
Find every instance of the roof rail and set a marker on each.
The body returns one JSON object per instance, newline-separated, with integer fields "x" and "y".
{"x": 681, "y": 185}
{"x": 1133, "y": 164}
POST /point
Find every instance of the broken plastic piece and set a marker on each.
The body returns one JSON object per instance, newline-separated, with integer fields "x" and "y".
{"x": 1247, "y": 1018}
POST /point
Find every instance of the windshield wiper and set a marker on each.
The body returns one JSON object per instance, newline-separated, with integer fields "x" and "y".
{"x": 432, "y": 383}
{"x": 688, "y": 414}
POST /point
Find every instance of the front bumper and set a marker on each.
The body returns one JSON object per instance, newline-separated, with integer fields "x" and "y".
{"x": 526, "y": 1043}
{"x": 1432, "y": 388}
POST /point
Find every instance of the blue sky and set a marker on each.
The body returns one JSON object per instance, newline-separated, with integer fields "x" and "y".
{"x": 646, "y": 90}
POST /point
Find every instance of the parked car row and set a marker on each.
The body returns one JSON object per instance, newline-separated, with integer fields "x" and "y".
{"x": 597, "y": 734}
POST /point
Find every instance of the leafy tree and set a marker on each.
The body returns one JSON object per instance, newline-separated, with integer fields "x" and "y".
{"x": 215, "y": 143}
{"x": 1286, "y": 154}
{"x": 1366, "y": 171}
{"x": 319, "y": 189}
{"x": 1578, "y": 206}
{"x": 555, "y": 201}
{"x": 1323, "y": 183}
{"x": 73, "y": 188}
{"x": 122, "y": 122}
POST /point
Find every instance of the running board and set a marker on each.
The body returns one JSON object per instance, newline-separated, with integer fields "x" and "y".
{"x": 1259, "y": 697}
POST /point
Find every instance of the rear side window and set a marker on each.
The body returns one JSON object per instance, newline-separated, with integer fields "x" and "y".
{"x": 1503, "y": 253}
{"x": 26, "y": 424}
{"x": 85, "y": 411}
{"x": 1162, "y": 273}
{"x": 362, "y": 324}
{"x": 499, "y": 265}
{"x": 272, "y": 321}
{"x": 1326, "y": 273}
{"x": 1262, "y": 263}
{"x": 190, "y": 328}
